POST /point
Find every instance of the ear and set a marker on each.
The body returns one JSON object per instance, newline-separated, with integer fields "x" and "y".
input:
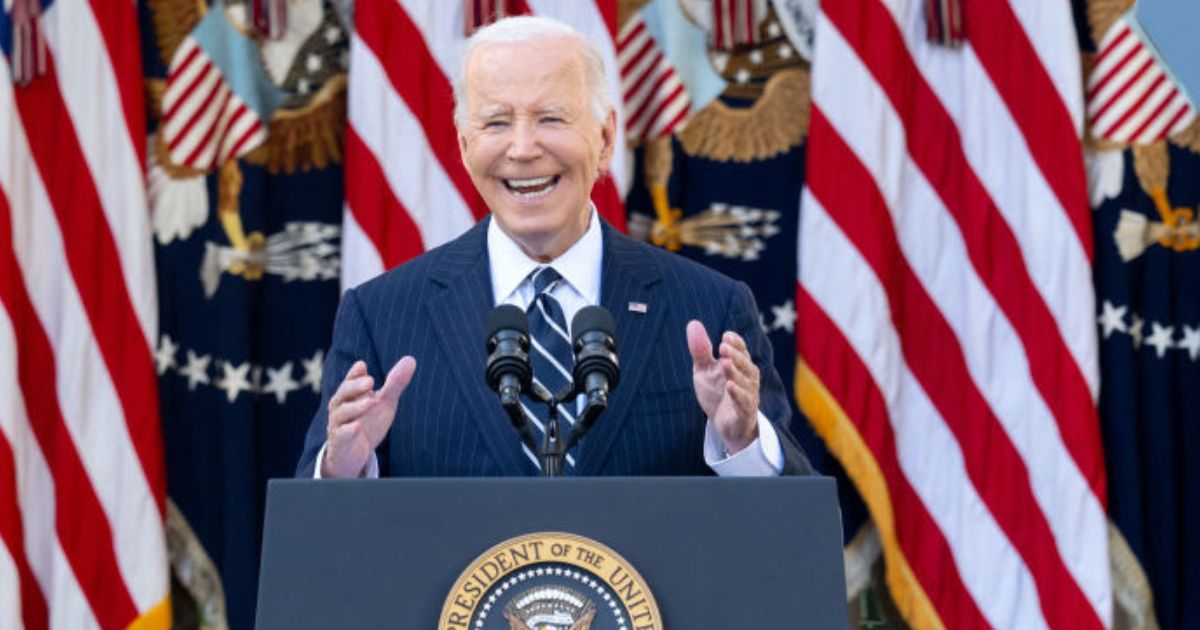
{"x": 462, "y": 144}
{"x": 608, "y": 140}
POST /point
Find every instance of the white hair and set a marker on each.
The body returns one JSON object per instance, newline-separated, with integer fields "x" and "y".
{"x": 527, "y": 28}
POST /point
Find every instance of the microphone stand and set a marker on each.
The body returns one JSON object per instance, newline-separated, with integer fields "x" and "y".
{"x": 553, "y": 449}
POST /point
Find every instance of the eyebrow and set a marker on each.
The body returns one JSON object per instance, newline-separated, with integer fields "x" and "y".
{"x": 494, "y": 111}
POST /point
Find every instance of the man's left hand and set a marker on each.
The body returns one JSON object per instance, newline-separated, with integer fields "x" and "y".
{"x": 726, "y": 386}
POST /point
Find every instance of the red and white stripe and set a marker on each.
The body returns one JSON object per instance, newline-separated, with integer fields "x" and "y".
{"x": 735, "y": 22}
{"x": 204, "y": 122}
{"x": 654, "y": 98}
{"x": 945, "y": 301}
{"x": 82, "y": 483}
{"x": 406, "y": 188}
{"x": 1131, "y": 97}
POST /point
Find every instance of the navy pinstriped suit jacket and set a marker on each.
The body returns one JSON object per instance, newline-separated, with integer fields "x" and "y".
{"x": 449, "y": 423}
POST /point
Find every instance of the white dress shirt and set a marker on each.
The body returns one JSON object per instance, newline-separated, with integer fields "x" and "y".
{"x": 580, "y": 268}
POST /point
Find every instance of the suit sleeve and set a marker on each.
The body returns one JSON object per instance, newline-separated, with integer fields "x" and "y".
{"x": 773, "y": 398}
{"x": 351, "y": 341}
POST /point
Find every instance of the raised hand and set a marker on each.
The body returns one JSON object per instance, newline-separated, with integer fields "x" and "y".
{"x": 726, "y": 386}
{"x": 359, "y": 417}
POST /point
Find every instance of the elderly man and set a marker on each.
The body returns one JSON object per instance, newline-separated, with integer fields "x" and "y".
{"x": 536, "y": 129}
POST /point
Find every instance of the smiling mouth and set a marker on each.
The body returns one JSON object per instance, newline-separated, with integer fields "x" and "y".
{"x": 531, "y": 188}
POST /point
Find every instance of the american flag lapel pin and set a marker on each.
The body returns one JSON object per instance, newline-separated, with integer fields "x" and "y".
{"x": 637, "y": 307}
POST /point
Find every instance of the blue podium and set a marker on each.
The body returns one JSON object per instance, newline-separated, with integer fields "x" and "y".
{"x": 570, "y": 553}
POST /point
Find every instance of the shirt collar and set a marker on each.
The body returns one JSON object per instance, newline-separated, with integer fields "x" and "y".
{"x": 579, "y": 265}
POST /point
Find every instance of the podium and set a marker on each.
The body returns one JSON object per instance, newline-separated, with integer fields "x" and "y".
{"x": 410, "y": 553}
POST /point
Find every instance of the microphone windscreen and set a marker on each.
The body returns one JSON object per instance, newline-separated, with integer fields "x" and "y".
{"x": 506, "y": 317}
{"x": 592, "y": 319}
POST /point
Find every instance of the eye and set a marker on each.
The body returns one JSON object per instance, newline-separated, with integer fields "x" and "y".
{"x": 552, "y": 119}
{"x": 495, "y": 124}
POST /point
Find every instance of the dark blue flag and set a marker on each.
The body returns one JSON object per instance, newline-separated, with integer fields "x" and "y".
{"x": 248, "y": 264}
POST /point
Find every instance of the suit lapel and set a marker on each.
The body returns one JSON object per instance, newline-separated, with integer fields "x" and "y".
{"x": 461, "y": 299}
{"x": 629, "y": 277}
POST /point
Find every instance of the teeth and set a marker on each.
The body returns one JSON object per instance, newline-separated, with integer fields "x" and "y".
{"x": 529, "y": 183}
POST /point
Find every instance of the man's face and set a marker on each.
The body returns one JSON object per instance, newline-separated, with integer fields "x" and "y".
{"x": 530, "y": 142}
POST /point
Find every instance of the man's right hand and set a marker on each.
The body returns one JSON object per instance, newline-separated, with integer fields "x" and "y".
{"x": 359, "y": 417}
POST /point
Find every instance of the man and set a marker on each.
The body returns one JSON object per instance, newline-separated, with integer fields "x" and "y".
{"x": 536, "y": 130}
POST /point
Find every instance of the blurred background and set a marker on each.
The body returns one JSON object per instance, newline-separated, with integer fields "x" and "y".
{"x": 970, "y": 226}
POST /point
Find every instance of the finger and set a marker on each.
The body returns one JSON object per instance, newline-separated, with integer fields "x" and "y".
{"x": 349, "y": 390}
{"x": 344, "y": 434}
{"x": 358, "y": 369}
{"x": 740, "y": 357}
{"x": 348, "y": 412}
{"x": 744, "y": 399}
{"x": 699, "y": 345}
{"x": 733, "y": 372}
{"x": 398, "y": 379}
{"x": 735, "y": 340}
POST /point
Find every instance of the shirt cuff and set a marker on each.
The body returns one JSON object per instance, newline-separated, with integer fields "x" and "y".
{"x": 761, "y": 458}
{"x": 372, "y": 471}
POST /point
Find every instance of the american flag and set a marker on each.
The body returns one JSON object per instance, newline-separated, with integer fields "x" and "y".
{"x": 215, "y": 105}
{"x": 652, "y": 93}
{"x": 946, "y": 309}
{"x": 1131, "y": 96}
{"x": 82, "y": 486}
{"x": 406, "y": 188}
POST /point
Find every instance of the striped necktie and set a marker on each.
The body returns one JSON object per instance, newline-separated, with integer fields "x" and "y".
{"x": 551, "y": 353}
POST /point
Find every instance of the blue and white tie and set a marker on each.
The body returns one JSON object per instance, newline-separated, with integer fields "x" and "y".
{"x": 551, "y": 353}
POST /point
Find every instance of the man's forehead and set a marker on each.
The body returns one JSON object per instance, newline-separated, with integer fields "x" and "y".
{"x": 563, "y": 52}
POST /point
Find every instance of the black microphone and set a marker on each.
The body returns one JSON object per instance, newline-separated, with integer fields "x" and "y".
{"x": 594, "y": 339}
{"x": 508, "y": 369}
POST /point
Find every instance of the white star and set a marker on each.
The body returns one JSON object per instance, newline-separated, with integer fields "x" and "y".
{"x": 234, "y": 380}
{"x": 280, "y": 382}
{"x": 1190, "y": 341}
{"x": 164, "y": 357}
{"x": 332, "y": 34}
{"x": 1135, "y": 331}
{"x": 312, "y": 63}
{"x": 1113, "y": 318}
{"x": 756, "y": 57}
{"x": 773, "y": 29}
{"x": 196, "y": 370}
{"x": 312, "y": 371}
{"x": 785, "y": 51}
{"x": 742, "y": 76}
{"x": 1160, "y": 338}
{"x": 303, "y": 86}
{"x": 785, "y": 317}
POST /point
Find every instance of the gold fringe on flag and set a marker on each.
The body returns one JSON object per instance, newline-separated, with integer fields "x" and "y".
{"x": 844, "y": 442}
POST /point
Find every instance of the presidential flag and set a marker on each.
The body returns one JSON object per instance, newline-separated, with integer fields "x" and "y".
{"x": 1143, "y": 168}
{"x": 245, "y": 183}
{"x": 82, "y": 484}
{"x": 946, "y": 307}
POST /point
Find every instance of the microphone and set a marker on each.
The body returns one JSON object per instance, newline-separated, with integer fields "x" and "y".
{"x": 508, "y": 369}
{"x": 594, "y": 340}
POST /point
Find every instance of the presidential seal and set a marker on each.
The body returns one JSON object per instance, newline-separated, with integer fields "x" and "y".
{"x": 550, "y": 581}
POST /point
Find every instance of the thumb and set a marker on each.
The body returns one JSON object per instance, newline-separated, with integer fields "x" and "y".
{"x": 398, "y": 379}
{"x": 699, "y": 345}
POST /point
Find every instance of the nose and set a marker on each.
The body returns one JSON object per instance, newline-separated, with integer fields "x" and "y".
{"x": 525, "y": 144}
